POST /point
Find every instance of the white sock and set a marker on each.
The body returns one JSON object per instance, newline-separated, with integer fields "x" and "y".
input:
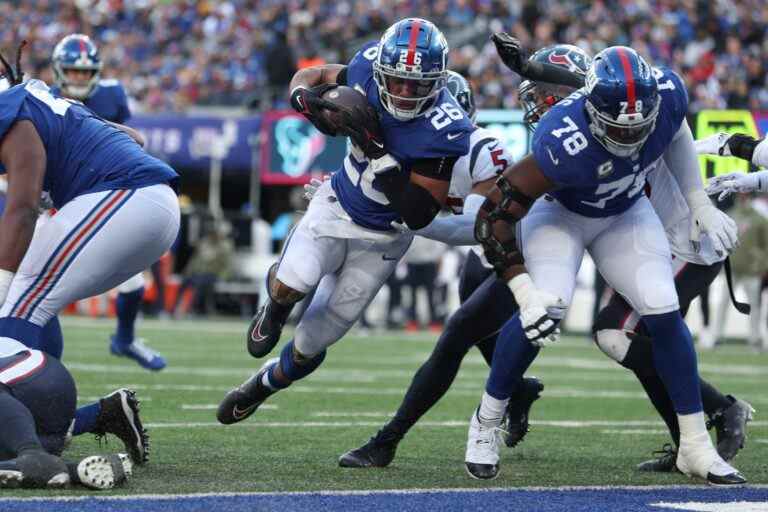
{"x": 491, "y": 410}
{"x": 265, "y": 380}
{"x": 692, "y": 426}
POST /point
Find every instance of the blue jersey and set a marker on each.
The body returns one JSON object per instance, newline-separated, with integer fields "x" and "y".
{"x": 442, "y": 131}
{"x": 107, "y": 100}
{"x": 590, "y": 180}
{"x": 84, "y": 153}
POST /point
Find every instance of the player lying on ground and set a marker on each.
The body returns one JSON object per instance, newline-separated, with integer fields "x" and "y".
{"x": 112, "y": 221}
{"x": 407, "y": 132}
{"x": 37, "y": 407}
{"x": 592, "y": 153}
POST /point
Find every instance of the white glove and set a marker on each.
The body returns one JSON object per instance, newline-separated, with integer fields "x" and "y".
{"x": 706, "y": 218}
{"x": 539, "y": 311}
{"x": 716, "y": 144}
{"x": 727, "y": 184}
{"x": 311, "y": 188}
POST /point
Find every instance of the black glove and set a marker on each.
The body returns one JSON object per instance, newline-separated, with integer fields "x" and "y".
{"x": 511, "y": 52}
{"x": 495, "y": 231}
{"x": 310, "y": 104}
{"x": 362, "y": 126}
{"x": 742, "y": 146}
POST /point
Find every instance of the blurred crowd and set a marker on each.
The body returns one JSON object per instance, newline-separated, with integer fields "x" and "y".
{"x": 175, "y": 53}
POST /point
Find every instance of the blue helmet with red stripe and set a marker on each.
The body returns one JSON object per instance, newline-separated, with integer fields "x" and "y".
{"x": 76, "y": 52}
{"x": 622, "y": 100}
{"x": 410, "y": 67}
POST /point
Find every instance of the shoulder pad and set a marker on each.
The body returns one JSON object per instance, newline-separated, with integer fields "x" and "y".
{"x": 487, "y": 156}
{"x": 563, "y": 147}
{"x": 674, "y": 95}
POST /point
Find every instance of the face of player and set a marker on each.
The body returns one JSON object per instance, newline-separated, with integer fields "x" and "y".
{"x": 78, "y": 77}
{"x": 402, "y": 89}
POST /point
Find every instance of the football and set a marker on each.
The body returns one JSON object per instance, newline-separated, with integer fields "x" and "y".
{"x": 345, "y": 97}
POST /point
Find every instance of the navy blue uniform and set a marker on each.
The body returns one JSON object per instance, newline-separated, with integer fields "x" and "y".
{"x": 108, "y": 100}
{"x": 84, "y": 153}
{"x": 442, "y": 131}
{"x": 590, "y": 180}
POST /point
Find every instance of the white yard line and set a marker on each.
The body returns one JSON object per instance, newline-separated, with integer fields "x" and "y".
{"x": 209, "y": 407}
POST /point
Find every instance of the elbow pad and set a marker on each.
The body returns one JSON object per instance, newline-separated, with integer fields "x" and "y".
{"x": 415, "y": 205}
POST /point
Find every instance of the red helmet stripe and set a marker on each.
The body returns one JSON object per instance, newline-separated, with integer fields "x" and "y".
{"x": 415, "y": 26}
{"x": 627, "y": 66}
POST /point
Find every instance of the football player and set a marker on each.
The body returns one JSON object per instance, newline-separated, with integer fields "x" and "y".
{"x": 399, "y": 167}
{"x": 37, "y": 406}
{"x": 111, "y": 222}
{"x": 618, "y": 331}
{"x": 77, "y": 70}
{"x": 742, "y": 146}
{"x": 486, "y": 302}
{"x": 592, "y": 153}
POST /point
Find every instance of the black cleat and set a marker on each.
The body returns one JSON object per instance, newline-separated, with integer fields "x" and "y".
{"x": 266, "y": 327}
{"x": 243, "y": 400}
{"x": 101, "y": 472}
{"x": 376, "y": 453}
{"x": 731, "y": 425}
{"x": 119, "y": 416}
{"x": 726, "y": 480}
{"x": 518, "y": 409}
{"x": 664, "y": 463}
{"x": 34, "y": 469}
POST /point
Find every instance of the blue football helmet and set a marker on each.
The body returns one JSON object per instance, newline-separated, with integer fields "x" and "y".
{"x": 76, "y": 52}
{"x": 410, "y": 67}
{"x": 537, "y": 98}
{"x": 622, "y": 100}
{"x": 461, "y": 89}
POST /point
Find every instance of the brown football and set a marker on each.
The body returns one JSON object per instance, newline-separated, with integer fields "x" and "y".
{"x": 345, "y": 97}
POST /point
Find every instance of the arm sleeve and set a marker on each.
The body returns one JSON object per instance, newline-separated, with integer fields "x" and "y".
{"x": 455, "y": 229}
{"x": 551, "y": 74}
{"x": 683, "y": 162}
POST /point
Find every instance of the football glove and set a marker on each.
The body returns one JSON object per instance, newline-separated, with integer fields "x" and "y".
{"x": 706, "y": 218}
{"x": 726, "y": 144}
{"x": 511, "y": 52}
{"x": 310, "y": 104}
{"x": 540, "y": 311}
{"x": 311, "y": 188}
{"x": 362, "y": 126}
{"x": 727, "y": 184}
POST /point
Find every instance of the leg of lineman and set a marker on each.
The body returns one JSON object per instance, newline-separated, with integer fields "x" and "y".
{"x": 486, "y": 304}
{"x": 123, "y": 343}
{"x": 37, "y": 403}
{"x": 650, "y": 290}
{"x": 552, "y": 239}
{"x": 633, "y": 350}
{"x": 95, "y": 242}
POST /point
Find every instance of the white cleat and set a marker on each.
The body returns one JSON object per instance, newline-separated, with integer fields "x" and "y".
{"x": 101, "y": 472}
{"x": 699, "y": 458}
{"x": 483, "y": 446}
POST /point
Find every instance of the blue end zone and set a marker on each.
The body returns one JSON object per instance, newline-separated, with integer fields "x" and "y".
{"x": 630, "y": 499}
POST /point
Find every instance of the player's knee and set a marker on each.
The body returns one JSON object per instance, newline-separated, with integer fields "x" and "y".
{"x": 658, "y": 296}
{"x": 456, "y": 339}
{"x": 614, "y": 343}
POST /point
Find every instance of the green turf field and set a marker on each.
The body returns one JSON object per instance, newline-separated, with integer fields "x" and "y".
{"x": 293, "y": 443}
